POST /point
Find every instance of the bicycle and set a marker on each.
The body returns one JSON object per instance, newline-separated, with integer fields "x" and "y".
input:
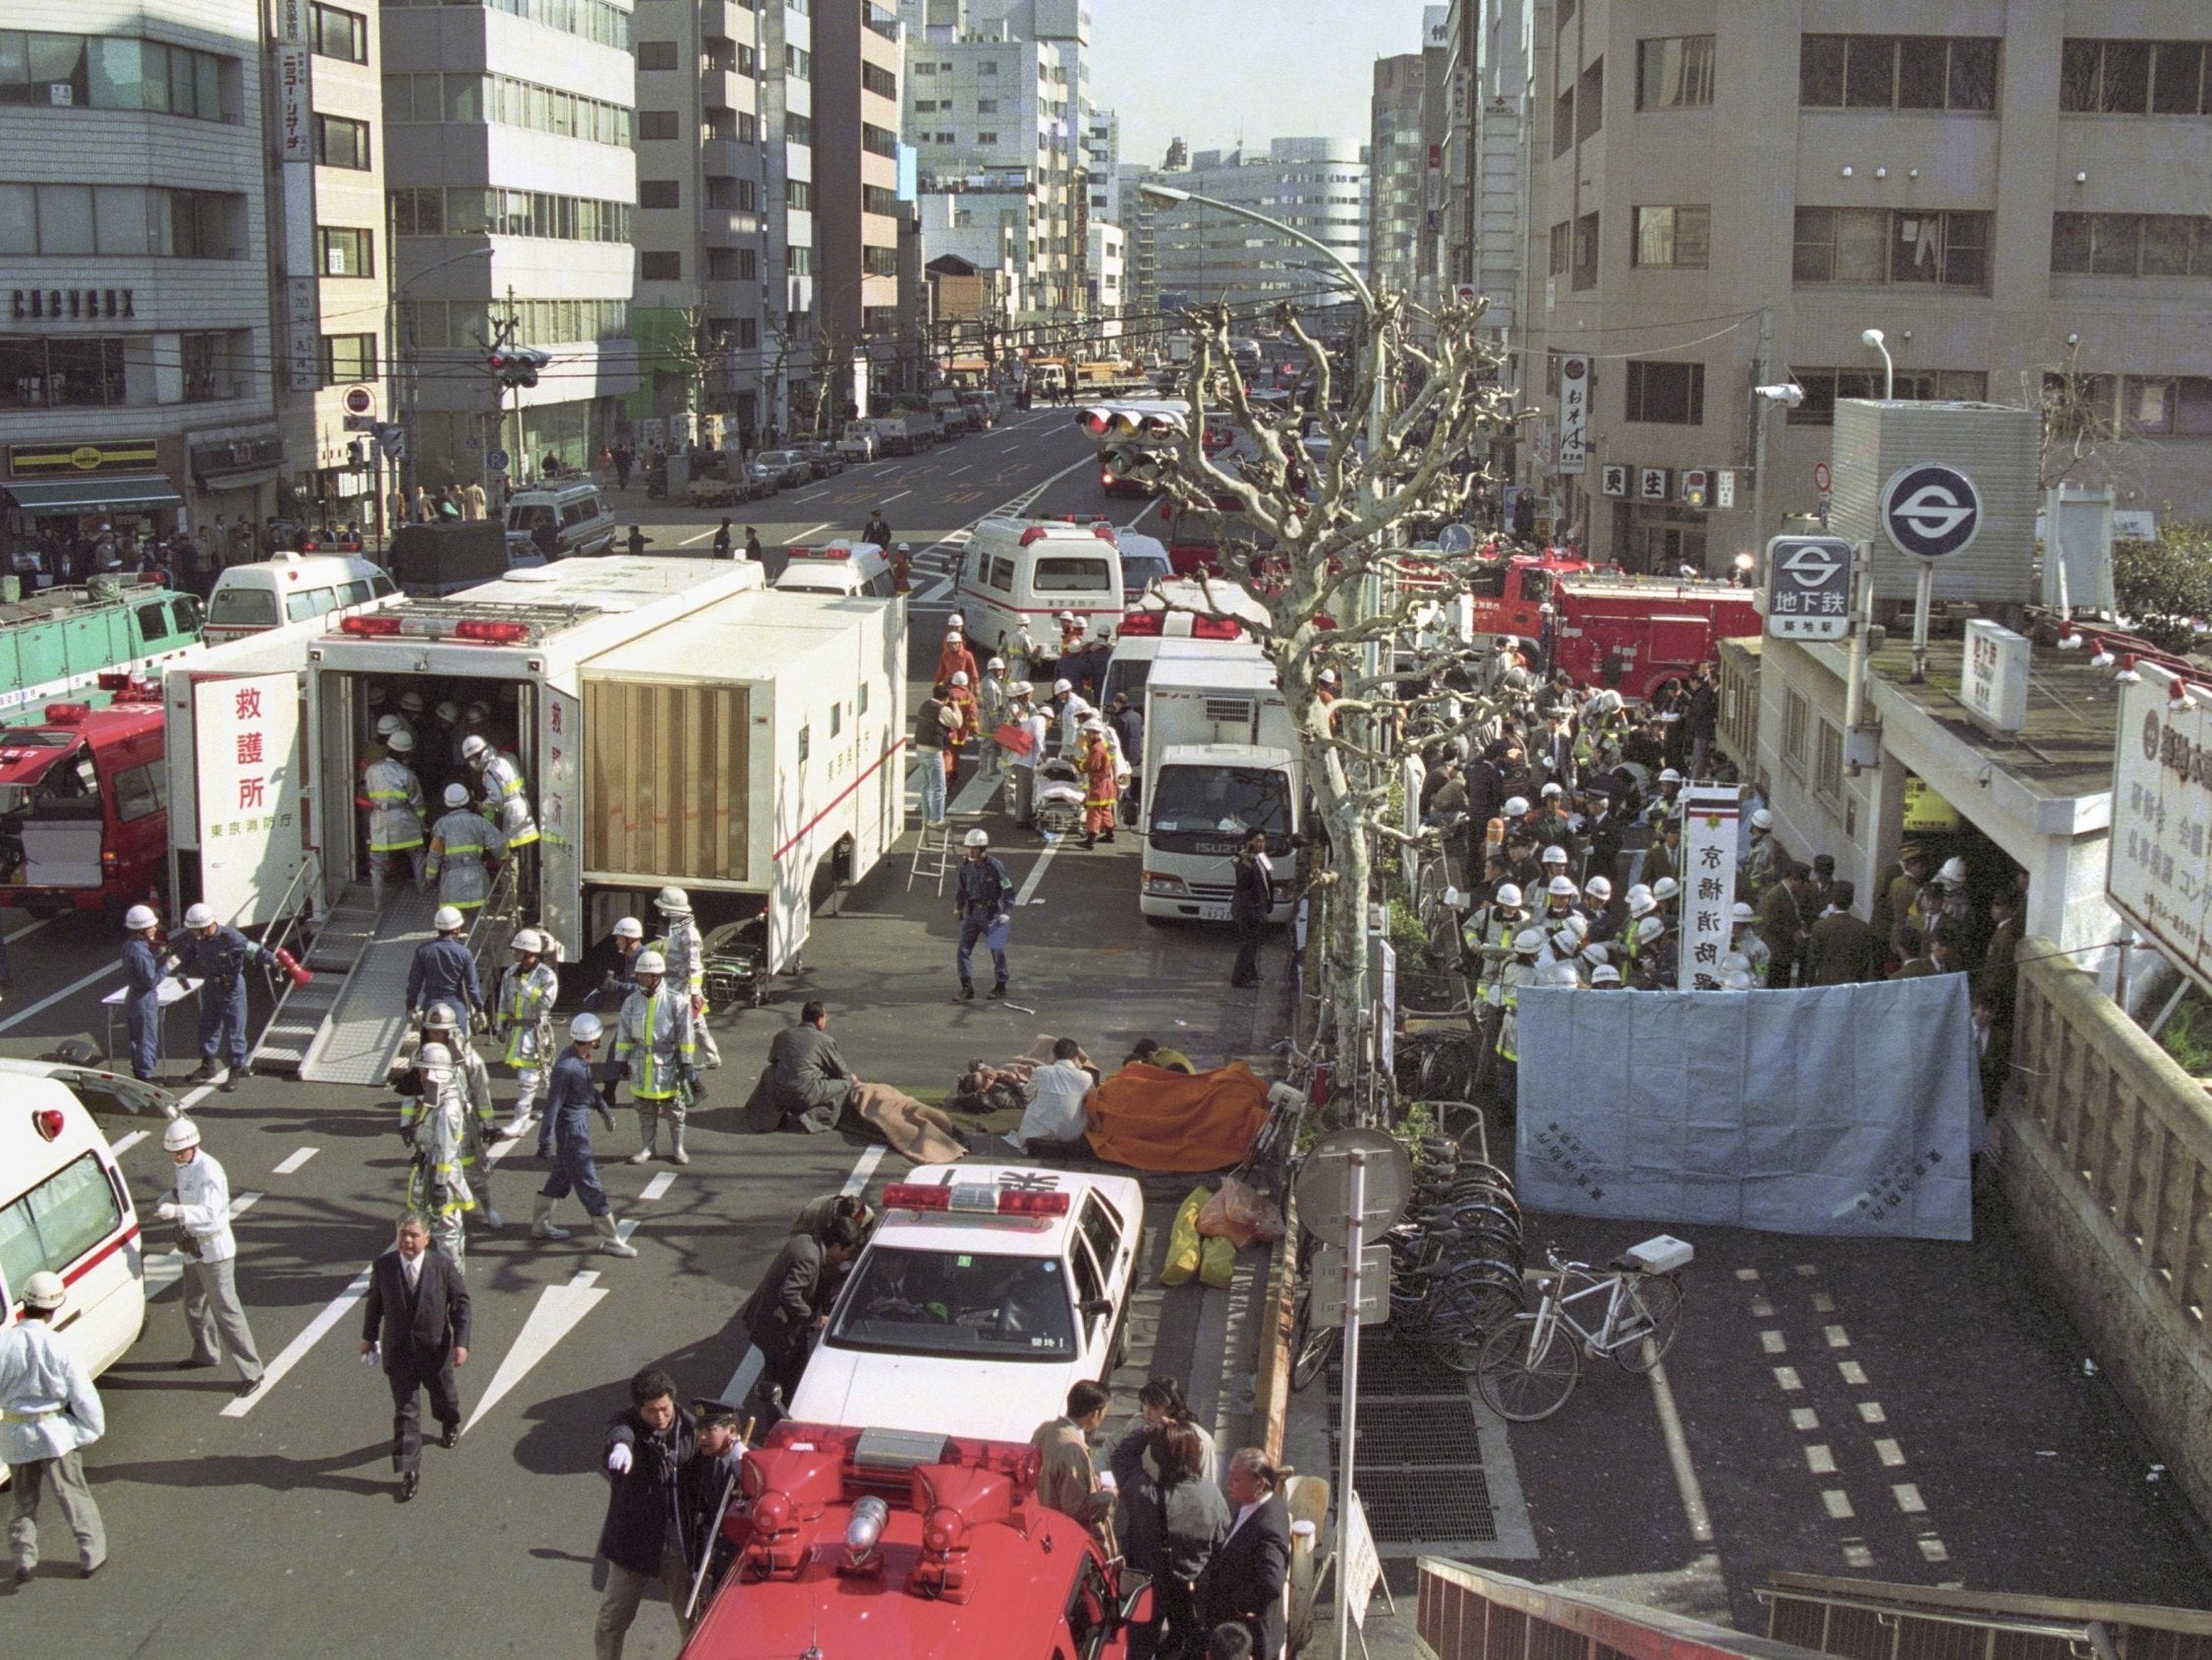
{"x": 1528, "y": 1368}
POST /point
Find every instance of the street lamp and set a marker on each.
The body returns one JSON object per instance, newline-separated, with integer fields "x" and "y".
{"x": 1875, "y": 337}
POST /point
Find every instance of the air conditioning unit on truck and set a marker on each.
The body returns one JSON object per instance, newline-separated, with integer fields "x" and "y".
{"x": 1629, "y": 633}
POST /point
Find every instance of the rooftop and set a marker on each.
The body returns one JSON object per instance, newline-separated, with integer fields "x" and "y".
{"x": 2066, "y": 749}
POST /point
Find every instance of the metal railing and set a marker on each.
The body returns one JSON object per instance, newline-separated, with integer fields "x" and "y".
{"x": 294, "y": 910}
{"x": 1466, "y": 1612}
{"x": 1867, "y": 1619}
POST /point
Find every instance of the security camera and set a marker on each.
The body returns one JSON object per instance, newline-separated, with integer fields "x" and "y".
{"x": 1787, "y": 392}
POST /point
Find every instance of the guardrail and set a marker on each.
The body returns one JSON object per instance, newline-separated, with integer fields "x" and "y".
{"x": 1869, "y": 1620}
{"x": 1466, "y": 1612}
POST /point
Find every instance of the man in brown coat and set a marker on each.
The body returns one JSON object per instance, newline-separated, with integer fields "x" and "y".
{"x": 1067, "y": 1479}
{"x": 1840, "y": 949}
{"x": 1782, "y": 925}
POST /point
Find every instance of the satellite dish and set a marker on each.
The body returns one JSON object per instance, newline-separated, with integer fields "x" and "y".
{"x": 1455, "y": 538}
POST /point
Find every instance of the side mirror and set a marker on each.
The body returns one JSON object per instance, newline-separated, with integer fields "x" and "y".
{"x": 1136, "y": 1597}
{"x": 1093, "y": 1307}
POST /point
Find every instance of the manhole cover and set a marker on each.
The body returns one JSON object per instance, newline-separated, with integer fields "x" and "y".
{"x": 1427, "y": 1503}
{"x": 1393, "y": 1368}
{"x": 1412, "y": 1432}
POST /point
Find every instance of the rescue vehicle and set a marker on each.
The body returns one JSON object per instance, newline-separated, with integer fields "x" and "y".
{"x": 1630, "y": 634}
{"x": 84, "y": 802}
{"x": 1017, "y": 570}
{"x": 984, "y": 1292}
{"x": 927, "y": 1546}
{"x": 63, "y": 640}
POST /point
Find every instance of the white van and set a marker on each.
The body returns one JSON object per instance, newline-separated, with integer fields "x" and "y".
{"x": 581, "y": 519}
{"x": 839, "y": 567}
{"x": 290, "y": 587}
{"x": 1033, "y": 570}
{"x": 64, "y": 1207}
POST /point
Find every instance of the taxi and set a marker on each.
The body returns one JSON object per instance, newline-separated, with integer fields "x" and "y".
{"x": 983, "y": 1293}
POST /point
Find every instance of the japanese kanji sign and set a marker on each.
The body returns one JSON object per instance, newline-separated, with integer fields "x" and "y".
{"x": 1809, "y": 587}
{"x": 2159, "y": 878}
{"x": 558, "y": 809}
{"x": 247, "y": 767}
{"x": 1708, "y": 901}
{"x": 1575, "y": 414}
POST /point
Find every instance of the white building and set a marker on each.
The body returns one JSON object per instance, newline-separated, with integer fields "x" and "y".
{"x": 1106, "y": 273}
{"x": 1102, "y": 159}
{"x": 1318, "y": 185}
{"x": 513, "y": 181}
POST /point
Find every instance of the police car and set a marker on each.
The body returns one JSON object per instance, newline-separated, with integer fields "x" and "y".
{"x": 984, "y": 1293}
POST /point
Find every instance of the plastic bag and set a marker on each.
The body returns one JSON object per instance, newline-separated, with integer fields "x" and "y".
{"x": 1216, "y": 1263}
{"x": 1181, "y": 1265}
{"x": 1240, "y": 1214}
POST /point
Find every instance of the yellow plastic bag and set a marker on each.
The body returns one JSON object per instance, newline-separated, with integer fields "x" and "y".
{"x": 1216, "y": 1262}
{"x": 1181, "y": 1265}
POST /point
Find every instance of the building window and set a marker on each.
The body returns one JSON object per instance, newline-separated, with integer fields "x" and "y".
{"x": 2135, "y": 78}
{"x": 1665, "y": 394}
{"x": 587, "y": 20}
{"x": 1796, "y": 724}
{"x": 799, "y": 193}
{"x": 797, "y": 62}
{"x": 1586, "y": 252}
{"x": 348, "y": 358}
{"x": 1590, "y": 101}
{"x": 880, "y": 80}
{"x": 1563, "y": 123}
{"x": 1673, "y": 236}
{"x": 335, "y": 33}
{"x": 661, "y": 267}
{"x": 986, "y": 107}
{"x": 875, "y": 199}
{"x": 989, "y": 66}
{"x": 1562, "y": 244}
{"x": 1675, "y": 72}
{"x": 656, "y": 54}
{"x": 657, "y": 124}
{"x": 1823, "y": 387}
{"x": 1876, "y": 245}
{"x": 475, "y": 211}
{"x": 878, "y": 261}
{"x": 801, "y": 260}
{"x": 345, "y": 253}
{"x": 925, "y": 106}
{"x": 214, "y": 364}
{"x": 878, "y": 141}
{"x": 2130, "y": 244}
{"x": 797, "y": 129}
{"x": 339, "y": 143}
{"x": 748, "y": 332}
{"x": 1896, "y": 71}
{"x": 659, "y": 193}
{"x": 1828, "y": 764}
{"x": 2168, "y": 407}
{"x": 67, "y": 372}
{"x": 106, "y": 71}
{"x": 982, "y": 139}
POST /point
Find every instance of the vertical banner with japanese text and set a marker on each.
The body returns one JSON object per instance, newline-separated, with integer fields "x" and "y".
{"x": 560, "y": 879}
{"x": 2162, "y": 818}
{"x": 1709, "y": 830}
{"x": 248, "y": 766}
{"x": 1575, "y": 414}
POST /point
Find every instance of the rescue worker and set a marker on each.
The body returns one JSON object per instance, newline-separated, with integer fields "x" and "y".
{"x": 1520, "y": 971}
{"x": 443, "y": 1025}
{"x": 1744, "y": 941}
{"x": 1071, "y": 633}
{"x": 628, "y": 938}
{"x": 902, "y": 568}
{"x": 218, "y": 955}
{"x": 685, "y": 953}
{"x": 525, "y": 1021}
{"x": 1101, "y": 793}
{"x": 1024, "y": 714}
{"x": 411, "y": 714}
{"x": 395, "y": 813}
{"x": 1022, "y": 657}
{"x": 436, "y": 1185}
{"x": 141, "y": 990}
{"x": 444, "y": 970}
{"x": 954, "y": 657}
{"x": 460, "y": 843}
{"x": 653, "y": 1049}
{"x": 506, "y": 803}
{"x": 199, "y": 1205}
{"x": 983, "y": 898}
{"x": 49, "y": 1414}
{"x": 565, "y": 1139}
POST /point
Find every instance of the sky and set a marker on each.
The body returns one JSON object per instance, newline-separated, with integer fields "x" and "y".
{"x": 1209, "y": 70}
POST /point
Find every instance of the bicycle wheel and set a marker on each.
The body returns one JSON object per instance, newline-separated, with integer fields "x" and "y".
{"x": 1470, "y": 1315}
{"x": 1310, "y": 1345}
{"x": 1527, "y": 1369}
{"x": 1655, "y": 1306}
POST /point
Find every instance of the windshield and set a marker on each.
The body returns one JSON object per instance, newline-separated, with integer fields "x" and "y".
{"x": 1140, "y": 571}
{"x": 1231, "y": 799}
{"x": 249, "y": 608}
{"x": 957, "y": 1304}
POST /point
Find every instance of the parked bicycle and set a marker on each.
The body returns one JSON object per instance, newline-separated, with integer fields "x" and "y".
{"x": 1528, "y": 1368}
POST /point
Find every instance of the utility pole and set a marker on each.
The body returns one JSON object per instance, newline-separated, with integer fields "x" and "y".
{"x": 515, "y": 456}
{"x": 1763, "y": 376}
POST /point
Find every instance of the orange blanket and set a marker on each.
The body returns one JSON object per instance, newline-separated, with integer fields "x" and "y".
{"x": 1151, "y": 1119}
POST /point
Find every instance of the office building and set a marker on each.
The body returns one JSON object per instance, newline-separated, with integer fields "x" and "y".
{"x": 1318, "y": 185}
{"x": 1399, "y": 164}
{"x": 857, "y": 59}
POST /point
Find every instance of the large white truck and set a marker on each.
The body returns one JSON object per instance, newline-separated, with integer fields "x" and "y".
{"x": 1221, "y": 758}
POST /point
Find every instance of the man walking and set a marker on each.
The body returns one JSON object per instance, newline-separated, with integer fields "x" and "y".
{"x": 655, "y": 1047}
{"x": 644, "y": 1536}
{"x": 436, "y": 1189}
{"x": 525, "y": 1021}
{"x": 1251, "y": 900}
{"x": 216, "y": 955}
{"x": 460, "y": 842}
{"x": 984, "y": 900}
{"x": 199, "y": 1205}
{"x": 49, "y": 1414}
{"x": 722, "y": 539}
{"x": 472, "y": 1078}
{"x": 565, "y": 1139}
{"x": 753, "y": 545}
{"x": 418, "y": 1316}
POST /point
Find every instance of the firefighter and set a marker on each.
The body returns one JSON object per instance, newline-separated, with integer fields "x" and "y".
{"x": 219, "y": 956}
{"x": 653, "y": 1049}
{"x": 142, "y": 1000}
{"x": 439, "y": 1136}
{"x": 444, "y": 1024}
{"x": 460, "y": 843}
{"x": 506, "y": 803}
{"x": 685, "y": 954}
{"x": 525, "y": 1021}
{"x": 443, "y": 969}
{"x": 395, "y": 813}
{"x": 565, "y": 1138}
{"x": 1520, "y": 971}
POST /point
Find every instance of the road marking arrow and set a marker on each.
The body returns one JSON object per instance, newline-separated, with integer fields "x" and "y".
{"x": 559, "y": 1310}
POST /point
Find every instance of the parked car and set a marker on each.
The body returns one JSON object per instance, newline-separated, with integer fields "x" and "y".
{"x": 858, "y": 444}
{"x": 824, "y": 460}
{"x": 790, "y": 467}
{"x": 764, "y": 480}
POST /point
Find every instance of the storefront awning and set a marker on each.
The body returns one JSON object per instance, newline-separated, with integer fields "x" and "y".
{"x": 88, "y": 495}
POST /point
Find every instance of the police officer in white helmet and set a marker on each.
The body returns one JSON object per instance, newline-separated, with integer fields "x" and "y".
{"x": 141, "y": 990}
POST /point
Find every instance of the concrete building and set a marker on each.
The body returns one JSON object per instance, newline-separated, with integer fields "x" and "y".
{"x": 1102, "y": 159}
{"x": 136, "y": 384}
{"x": 1104, "y": 272}
{"x": 1319, "y": 186}
{"x": 1140, "y": 286}
{"x": 1399, "y": 165}
{"x": 513, "y": 181}
{"x": 857, "y": 64}
{"x": 2010, "y": 201}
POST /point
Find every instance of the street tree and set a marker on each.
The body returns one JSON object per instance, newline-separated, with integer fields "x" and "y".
{"x": 2165, "y": 587}
{"x": 1311, "y": 509}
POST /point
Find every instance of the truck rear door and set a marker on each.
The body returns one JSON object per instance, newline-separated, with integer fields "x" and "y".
{"x": 560, "y": 804}
{"x": 248, "y": 769}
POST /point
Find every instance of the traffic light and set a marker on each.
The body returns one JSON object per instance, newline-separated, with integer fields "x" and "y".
{"x": 1697, "y": 487}
{"x": 517, "y": 365}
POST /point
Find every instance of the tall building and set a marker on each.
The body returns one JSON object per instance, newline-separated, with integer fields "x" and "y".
{"x": 1318, "y": 185}
{"x": 1140, "y": 287}
{"x": 136, "y": 384}
{"x": 2018, "y": 201}
{"x": 513, "y": 181}
{"x": 1102, "y": 159}
{"x": 857, "y": 64}
{"x": 1399, "y": 165}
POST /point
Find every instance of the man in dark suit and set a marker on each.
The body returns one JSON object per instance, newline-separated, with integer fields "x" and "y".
{"x": 420, "y": 1303}
{"x": 790, "y": 1304}
{"x": 1245, "y": 1580}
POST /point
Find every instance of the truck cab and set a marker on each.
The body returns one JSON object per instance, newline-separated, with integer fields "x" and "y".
{"x": 1509, "y": 596}
{"x": 83, "y": 805}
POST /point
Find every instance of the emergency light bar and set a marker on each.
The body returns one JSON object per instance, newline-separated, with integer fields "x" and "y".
{"x": 474, "y": 631}
{"x": 1103, "y": 529}
{"x": 973, "y": 1197}
{"x": 832, "y": 550}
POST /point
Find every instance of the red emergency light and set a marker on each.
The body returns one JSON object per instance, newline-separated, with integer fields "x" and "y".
{"x": 483, "y": 631}
{"x": 1215, "y": 628}
{"x": 920, "y": 1197}
{"x": 48, "y": 1123}
{"x": 834, "y": 550}
{"x": 67, "y": 714}
{"x": 370, "y": 628}
{"x": 1020, "y": 1202}
{"x": 1144, "y": 624}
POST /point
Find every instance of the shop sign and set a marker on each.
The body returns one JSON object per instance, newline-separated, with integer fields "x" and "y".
{"x": 73, "y": 461}
{"x": 73, "y": 305}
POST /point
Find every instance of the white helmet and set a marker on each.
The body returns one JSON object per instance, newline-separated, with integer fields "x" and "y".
{"x": 1516, "y": 806}
{"x": 1596, "y": 952}
{"x": 181, "y": 1133}
{"x": 650, "y": 962}
{"x": 1641, "y": 902}
{"x": 448, "y": 711}
{"x": 473, "y": 747}
{"x": 1664, "y": 889}
{"x": 1639, "y": 891}
{"x": 952, "y": 635}
{"x": 1326, "y": 677}
{"x": 387, "y": 725}
{"x": 527, "y": 940}
{"x": 140, "y": 917}
{"x": 401, "y": 741}
{"x": 1554, "y": 855}
{"x": 1529, "y": 941}
{"x": 411, "y": 701}
{"x": 1742, "y": 913}
{"x": 959, "y": 677}
{"x": 1507, "y": 897}
{"x": 629, "y": 928}
{"x": 457, "y": 795}
{"x": 45, "y": 1291}
{"x": 906, "y": 548}
{"x": 1063, "y": 617}
{"x": 1953, "y": 872}
{"x": 1762, "y": 820}
{"x": 1650, "y": 929}
{"x": 441, "y": 1018}
{"x": 478, "y": 714}
{"x": 1577, "y": 925}
{"x": 200, "y": 916}
{"x": 585, "y": 1028}
{"x": 1668, "y": 776}
{"x": 1560, "y": 888}
{"x": 1550, "y": 791}
{"x": 994, "y": 665}
{"x": 433, "y": 1057}
{"x": 1598, "y": 888}
{"x": 975, "y": 839}
{"x": 1605, "y": 974}
{"x": 1059, "y": 686}
{"x": 673, "y": 900}
{"x": 954, "y": 623}
{"x": 446, "y": 919}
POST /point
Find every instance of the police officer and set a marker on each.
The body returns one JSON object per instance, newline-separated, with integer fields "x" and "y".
{"x": 444, "y": 1024}
{"x": 525, "y": 1021}
{"x": 506, "y": 803}
{"x": 460, "y": 843}
{"x": 686, "y": 953}
{"x": 49, "y": 1414}
{"x": 199, "y": 1205}
{"x": 218, "y": 955}
{"x": 435, "y": 1183}
{"x": 444, "y": 970}
{"x": 655, "y": 1047}
{"x": 984, "y": 900}
{"x": 565, "y": 1138}
{"x": 142, "y": 997}
{"x": 395, "y": 812}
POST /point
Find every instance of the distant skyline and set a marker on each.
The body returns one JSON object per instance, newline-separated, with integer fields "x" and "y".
{"x": 1215, "y": 72}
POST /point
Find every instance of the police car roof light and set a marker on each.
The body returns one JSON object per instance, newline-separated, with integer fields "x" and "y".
{"x": 1142, "y": 624}
{"x": 916, "y": 1196}
{"x": 369, "y": 627}
{"x": 1018, "y": 1202}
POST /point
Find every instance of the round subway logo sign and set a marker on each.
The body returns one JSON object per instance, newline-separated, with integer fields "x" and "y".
{"x": 1931, "y": 510}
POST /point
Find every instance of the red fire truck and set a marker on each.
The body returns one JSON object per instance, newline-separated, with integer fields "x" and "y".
{"x": 84, "y": 815}
{"x": 1606, "y": 628}
{"x": 896, "y": 1542}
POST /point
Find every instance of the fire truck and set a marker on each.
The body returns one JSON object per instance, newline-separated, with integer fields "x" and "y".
{"x": 1606, "y": 628}
{"x": 898, "y": 1542}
